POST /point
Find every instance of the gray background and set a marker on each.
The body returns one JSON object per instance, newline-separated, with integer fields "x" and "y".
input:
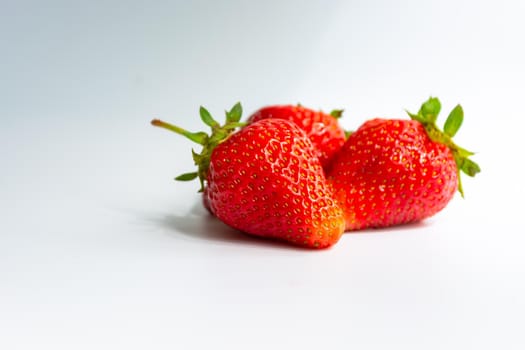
{"x": 99, "y": 248}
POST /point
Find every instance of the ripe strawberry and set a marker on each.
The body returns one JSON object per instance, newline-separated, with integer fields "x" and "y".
{"x": 322, "y": 129}
{"x": 393, "y": 172}
{"x": 265, "y": 180}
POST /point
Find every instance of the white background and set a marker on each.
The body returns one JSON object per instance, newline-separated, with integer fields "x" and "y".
{"x": 101, "y": 249}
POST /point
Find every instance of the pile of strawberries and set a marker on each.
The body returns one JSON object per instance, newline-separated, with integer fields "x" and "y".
{"x": 291, "y": 173}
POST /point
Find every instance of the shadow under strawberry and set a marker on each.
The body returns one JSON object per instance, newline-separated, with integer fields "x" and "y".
{"x": 201, "y": 225}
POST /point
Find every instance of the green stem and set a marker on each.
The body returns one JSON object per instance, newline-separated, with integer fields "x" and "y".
{"x": 208, "y": 142}
{"x": 197, "y": 137}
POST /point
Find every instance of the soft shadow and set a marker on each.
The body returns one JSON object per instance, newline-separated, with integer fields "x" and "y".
{"x": 201, "y": 225}
{"x": 391, "y": 229}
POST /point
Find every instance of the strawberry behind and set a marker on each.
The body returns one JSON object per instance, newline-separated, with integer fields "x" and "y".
{"x": 322, "y": 128}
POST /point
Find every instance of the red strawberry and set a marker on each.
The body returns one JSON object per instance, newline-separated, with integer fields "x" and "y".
{"x": 322, "y": 129}
{"x": 393, "y": 172}
{"x": 265, "y": 180}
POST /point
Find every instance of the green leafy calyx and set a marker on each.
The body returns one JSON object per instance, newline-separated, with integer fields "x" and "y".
{"x": 427, "y": 115}
{"x": 337, "y": 113}
{"x": 218, "y": 134}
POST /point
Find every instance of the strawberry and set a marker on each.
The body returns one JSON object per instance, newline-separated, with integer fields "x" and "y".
{"x": 322, "y": 129}
{"x": 392, "y": 172}
{"x": 265, "y": 180}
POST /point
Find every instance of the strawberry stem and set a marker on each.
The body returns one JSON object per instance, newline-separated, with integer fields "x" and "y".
{"x": 427, "y": 116}
{"x": 197, "y": 137}
{"x": 208, "y": 141}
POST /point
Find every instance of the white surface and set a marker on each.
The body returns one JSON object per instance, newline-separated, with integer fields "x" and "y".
{"x": 100, "y": 249}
